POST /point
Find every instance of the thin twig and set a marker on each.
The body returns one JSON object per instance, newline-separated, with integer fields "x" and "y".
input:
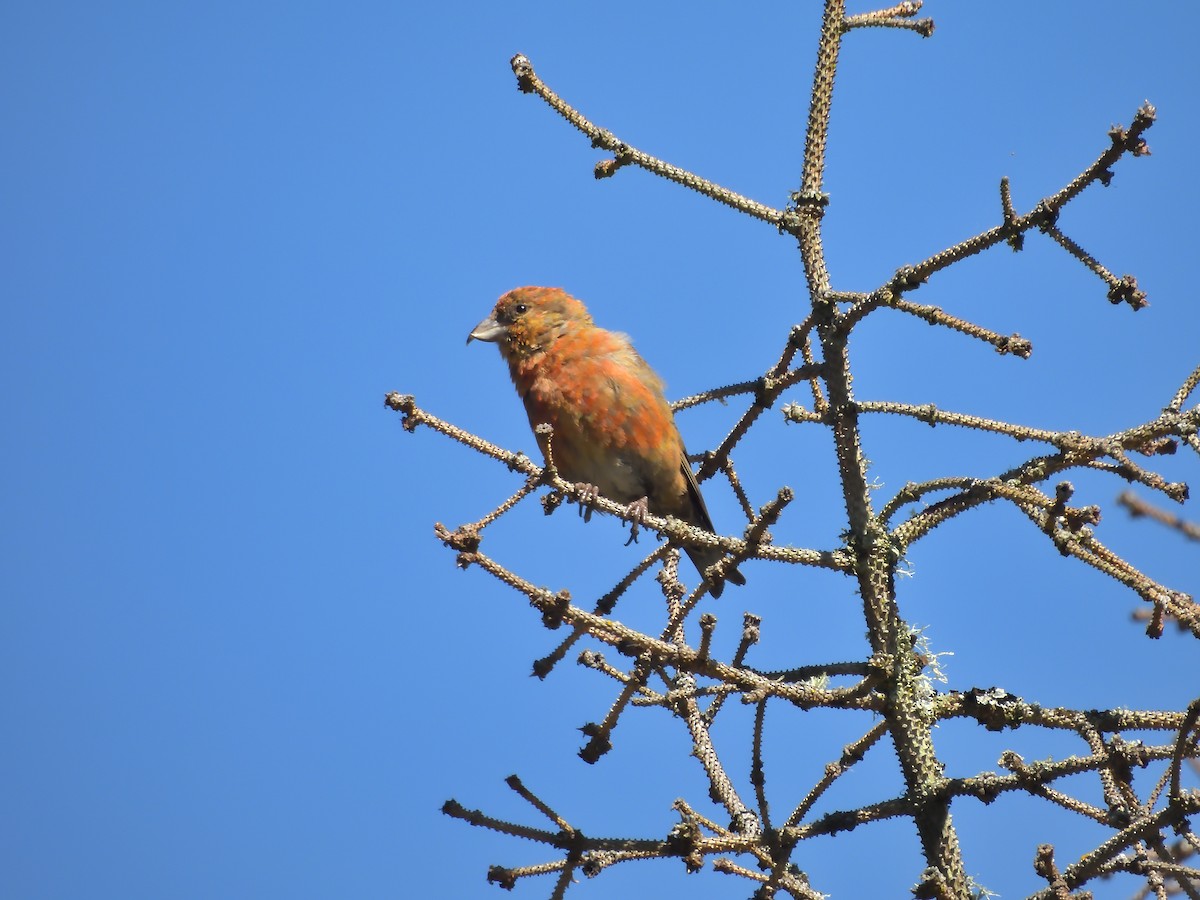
{"x": 529, "y": 82}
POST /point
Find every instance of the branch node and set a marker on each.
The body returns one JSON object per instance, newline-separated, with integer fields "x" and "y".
{"x": 406, "y": 405}
{"x": 1125, "y": 290}
{"x": 523, "y": 69}
{"x": 504, "y": 877}
{"x": 1016, "y": 345}
{"x": 554, "y": 609}
{"x": 465, "y": 539}
{"x": 1016, "y": 238}
{"x": 1044, "y": 865}
{"x": 808, "y": 199}
{"x": 906, "y": 278}
{"x": 1131, "y": 141}
{"x": 1044, "y": 216}
{"x": 606, "y": 168}
{"x": 552, "y": 501}
{"x": 597, "y": 746}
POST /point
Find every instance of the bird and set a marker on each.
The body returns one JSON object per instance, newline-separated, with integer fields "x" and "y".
{"x": 612, "y": 432}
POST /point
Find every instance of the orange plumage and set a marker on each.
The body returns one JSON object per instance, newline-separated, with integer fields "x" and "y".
{"x": 613, "y": 429}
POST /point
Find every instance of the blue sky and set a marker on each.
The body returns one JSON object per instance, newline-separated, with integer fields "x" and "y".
{"x": 234, "y": 662}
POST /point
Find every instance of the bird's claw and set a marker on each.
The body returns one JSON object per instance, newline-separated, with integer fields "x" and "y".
{"x": 637, "y": 511}
{"x": 587, "y": 496}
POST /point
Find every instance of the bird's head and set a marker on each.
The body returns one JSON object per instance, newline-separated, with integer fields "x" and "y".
{"x": 527, "y": 320}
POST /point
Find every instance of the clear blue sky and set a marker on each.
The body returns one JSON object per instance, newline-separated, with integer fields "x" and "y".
{"x": 233, "y": 660}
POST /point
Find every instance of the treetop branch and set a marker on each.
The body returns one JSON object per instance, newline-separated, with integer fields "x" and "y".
{"x": 1043, "y": 215}
{"x": 682, "y": 668}
{"x": 530, "y": 83}
{"x": 465, "y": 539}
{"x": 898, "y": 16}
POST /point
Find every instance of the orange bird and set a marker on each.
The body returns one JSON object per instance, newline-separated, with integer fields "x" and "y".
{"x": 613, "y": 430}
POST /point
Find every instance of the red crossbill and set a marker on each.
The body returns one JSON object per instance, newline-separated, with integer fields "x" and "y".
{"x": 612, "y": 429}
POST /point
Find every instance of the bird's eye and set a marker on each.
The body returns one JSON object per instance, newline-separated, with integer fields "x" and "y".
{"x": 520, "y": 308}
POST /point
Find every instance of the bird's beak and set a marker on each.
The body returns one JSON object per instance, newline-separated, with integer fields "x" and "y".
{"x": 488, "y": 330}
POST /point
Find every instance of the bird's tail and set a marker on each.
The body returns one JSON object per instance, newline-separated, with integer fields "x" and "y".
{"x": 702, "y": 558}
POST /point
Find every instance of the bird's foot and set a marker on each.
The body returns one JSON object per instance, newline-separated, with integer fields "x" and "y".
{"x": 587, "y": 496}
{"x": 637, "y": 510}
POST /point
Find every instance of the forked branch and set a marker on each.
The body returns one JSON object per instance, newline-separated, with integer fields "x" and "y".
{"x": 678, "y": 669}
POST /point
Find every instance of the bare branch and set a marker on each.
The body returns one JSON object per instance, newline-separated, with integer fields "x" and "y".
{"x": 898, "y": 16}
{"x": 528, "y": 82}
{"x": 677, "y": 664}
{"x": 1138, "y": 507}
{"x": 1043, "y": 214}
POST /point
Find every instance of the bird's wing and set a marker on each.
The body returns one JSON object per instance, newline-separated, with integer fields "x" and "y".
{"x": 703, "y": 519}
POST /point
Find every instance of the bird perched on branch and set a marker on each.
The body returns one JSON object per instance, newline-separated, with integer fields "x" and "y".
{"x": 613, "y": 431}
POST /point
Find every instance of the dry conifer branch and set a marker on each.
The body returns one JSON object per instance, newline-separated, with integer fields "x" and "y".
{"x": 1092, "y": 864}
{"x": 1138, "y": 507}
{"x": 1043, "y": 216}
{"x": 735, "y": 484}
{"x": 1014, "y": 343}
{"x": 604, "y": 606}
{"x": 593, "y": 660}
{"x": 557, "y": 609}
{"x": 1077, "y": 451}
{"x": 1185, "y": 391}
{"x": 912, "y": 492}
{"x": 996, "y": 709}
{"x": 750, "y": 635}
{"x": 766, "y": 388}
{"x": 899, "y": 16}
{"x": 601, "y": 734}
{"x": 678, "y": 667}
{"x": 1044, "y": 213}
{"x": 465, "y": 538}
{"x": 1119, "y": 289}
{"x": 1079, "y": 544}
{"x": 528, "y": 82}
{"x": 851, "y": 754}
{"x": 931, "y": 415}
{"x": 729, "y": 390}
{"x": 1016, "y": 239}
{"x": 799, "y": 341}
